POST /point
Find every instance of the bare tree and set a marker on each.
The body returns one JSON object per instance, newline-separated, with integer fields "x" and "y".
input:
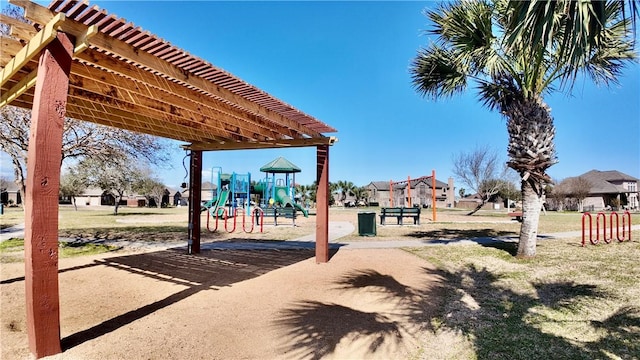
{"x": 579, "y": 189}
{"x": 115, "y": 176}
{"x": 479, "y": 170}
{"x": 576, "y": 188}
{"x": 4, "y": 183}
{"x": 72, "y": 184}
{"x": 150, "y": 187}
{"x": 558, "y": 193}
{"x": 80, "y": 140}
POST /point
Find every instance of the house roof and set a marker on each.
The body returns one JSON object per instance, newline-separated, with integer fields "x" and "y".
{"x": 280, "y": 166}
{"x": 602, "y": 182}
{"x": 126, "y": 77}
{"x": 384, "y": 185}
{"x": 11, "y": 186}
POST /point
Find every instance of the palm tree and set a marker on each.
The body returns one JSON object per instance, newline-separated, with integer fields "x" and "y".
{"x": 473, "y": 46}
{"x": 362, "y": 194}
{"x": 345, "y": 188}
{"x": 304, "y": 193}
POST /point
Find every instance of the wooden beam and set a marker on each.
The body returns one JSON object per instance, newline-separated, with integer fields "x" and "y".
{"x": 148, "y": 84}
{"x": 10, "y": 45}
{"x": 82, "y": 109}
{"x": 118, "y": 89}
{"x": 19, "y": 29}
{"x": 34, "y": 12}
{"x": 322, "y": 207}
{"x": 30, "y": 80}
{"x": 33, "y": 48}
{"x": 280, "y": 143}
{"x": 82, "y": 39}
{"x": 18, "y": 89}
{"x": 41, "y": 203}
{"x": 152, "y": 63}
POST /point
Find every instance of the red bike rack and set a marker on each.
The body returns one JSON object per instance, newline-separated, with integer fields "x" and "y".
{"x": 257, "y": 214}
{"x": 224, "y": 214}
{"x": 626, "y": 226}
{"x": 208, "y": 228}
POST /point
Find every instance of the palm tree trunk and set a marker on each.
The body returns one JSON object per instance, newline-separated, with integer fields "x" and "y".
{"x": 531, "y": 152}
{"x": 531, "y": 205}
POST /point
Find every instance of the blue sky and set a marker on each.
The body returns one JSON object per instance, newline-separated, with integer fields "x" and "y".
{"x": 346, "y": 63}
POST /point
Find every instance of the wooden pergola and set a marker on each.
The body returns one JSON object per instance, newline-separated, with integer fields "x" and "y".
{"x": 76, "y": 60}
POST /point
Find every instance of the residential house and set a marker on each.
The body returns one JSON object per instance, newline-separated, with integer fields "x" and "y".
{"x": 11, "y": 195}
{"x": 413, "y": 192}
{"x": 474, "y": 200}
{"x": 611, "y": 189}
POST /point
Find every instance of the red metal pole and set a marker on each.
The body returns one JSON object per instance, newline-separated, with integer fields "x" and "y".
{"x": 433, "y": 193}
{"x": 626, "y": 215}
{"x": 409, "y": 187}
{"x": 604, "y": 228}
{"x": 585, "y": 215}
{"x": 611, "y": 217}
{"x": 41, "y": 203}
{"x": 390, "y": 193}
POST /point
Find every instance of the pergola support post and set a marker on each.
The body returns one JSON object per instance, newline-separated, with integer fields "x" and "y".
{"x": 322, "y": 205}
{"x": 41, "y": 203}
{"x": 195, "y": 198}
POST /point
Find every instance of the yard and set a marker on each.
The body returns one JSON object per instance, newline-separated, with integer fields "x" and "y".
{"x": 429, "y": 302}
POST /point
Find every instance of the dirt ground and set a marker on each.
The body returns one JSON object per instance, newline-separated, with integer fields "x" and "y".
{"x": 233, "y": 304}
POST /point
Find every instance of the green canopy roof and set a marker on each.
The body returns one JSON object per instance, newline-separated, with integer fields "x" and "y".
{"x": 280, "y": 166}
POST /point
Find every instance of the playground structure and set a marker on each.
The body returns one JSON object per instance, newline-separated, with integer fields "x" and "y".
{"x": 279, "y": 192}
{"x": 626, "y": 227}
{"x": 231, "y": 197}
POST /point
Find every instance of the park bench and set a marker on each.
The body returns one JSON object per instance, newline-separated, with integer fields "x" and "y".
{"x": 516, "y": 215}
{"x": 399, "y": 213}
{"x": 283, "y": 212}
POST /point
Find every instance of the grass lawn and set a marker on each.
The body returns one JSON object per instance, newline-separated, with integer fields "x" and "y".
{"x": 12, "y": 250}
{"x": 569, "y": 302}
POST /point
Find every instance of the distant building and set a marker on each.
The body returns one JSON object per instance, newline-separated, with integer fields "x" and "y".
{"x": 417, "y": 192}
{"x": 610, "y": 189}
{"x": 11, "y": 195}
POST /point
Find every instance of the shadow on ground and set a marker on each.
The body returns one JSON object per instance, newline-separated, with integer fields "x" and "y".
{"x": 147, "y": 233}
{"x": 211, "y": 269}
{"x": 501, "y": 326}
{"x": 314, "y": 330}
{"x": 460, "y": 234}
{"x": 498, "y": 322}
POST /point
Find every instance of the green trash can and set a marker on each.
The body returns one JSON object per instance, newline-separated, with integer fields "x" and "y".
{"x": 367, "y": 223}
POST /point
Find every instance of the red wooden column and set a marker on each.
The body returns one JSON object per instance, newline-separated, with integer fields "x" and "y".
{"x": 195, "y": 198}
{"x": 322, "y": 205}
{"x": 41, "y": 203}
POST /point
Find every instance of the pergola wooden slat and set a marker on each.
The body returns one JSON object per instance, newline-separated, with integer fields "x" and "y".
{"x": 76, "y": 60}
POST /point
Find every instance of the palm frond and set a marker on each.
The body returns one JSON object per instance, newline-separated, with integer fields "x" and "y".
{"x": 466, "y": 29}
{"x": 499, "y": 93}
{"x": 435, "y": 73}
{"x": 607, "y": 60}
{"x": 582, "y": 26}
